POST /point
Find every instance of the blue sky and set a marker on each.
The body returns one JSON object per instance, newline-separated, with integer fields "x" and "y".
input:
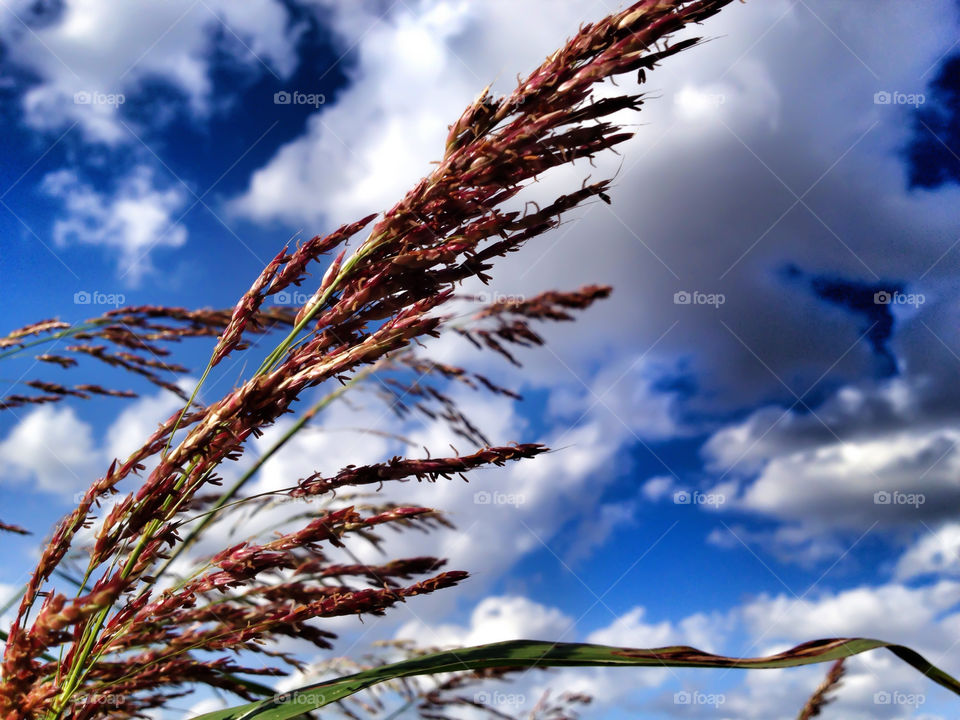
{"x": 780, "y": 346}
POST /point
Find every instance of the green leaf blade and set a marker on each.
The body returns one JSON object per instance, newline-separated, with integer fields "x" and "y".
{"x": 531, "y": 653}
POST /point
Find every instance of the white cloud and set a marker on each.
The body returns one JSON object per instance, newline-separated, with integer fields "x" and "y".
{"x": 935, "y": 552}
{"x": 616, "y": 392}
{"x": 873, "y": 453}
{"x": 494, "y": 619}
{"x": 702, "y": 630}
{"x": 892, "y": 612}
{"x": 853, "y": 412}
{"x": 327, "y": 446}
{"x": 837, "y": 483}
{"x": 206, "y": 706}
{"x": 788, "y": 543}
{"x": 659, "y": 487}
{"x": 52, "y": 447}
{"x": 89, "y": 47}
{"x": 139, "y": 420}
{"x": 135, "y": 220}
{"x": 596, "y": 528}
{"x": 377, "y": 139}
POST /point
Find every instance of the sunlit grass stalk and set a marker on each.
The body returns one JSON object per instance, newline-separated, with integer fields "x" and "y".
{"x": 232, "y": 492}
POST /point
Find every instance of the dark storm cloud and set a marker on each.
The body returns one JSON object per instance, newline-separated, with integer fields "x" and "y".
{"x": 870, "y": 301}
{"x": 934, "y": 150}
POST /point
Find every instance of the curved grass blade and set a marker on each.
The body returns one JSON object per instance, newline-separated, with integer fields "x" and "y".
{"x": 532, "y": 653}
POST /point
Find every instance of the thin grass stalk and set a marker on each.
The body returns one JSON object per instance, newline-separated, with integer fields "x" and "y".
{"x": 242, "y": 481}
{"x": 824, "y": 694}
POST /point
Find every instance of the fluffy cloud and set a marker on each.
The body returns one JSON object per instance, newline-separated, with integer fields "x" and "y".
{"x": 527, "y": 502}
{"x": 136, "y": 219}
{"x": 139, "y": 420}
{"x": 85, "y": 47}
{"x": 848, "y": 483}
{"x": 417, "y": 67}
{"x": 61, "y": 452}
{"x": 659, "y": 487}
{"x": 493, "y": 619}
{"x": 52, "y": 447}
{"x": 875, "y": 454}
{"x": 936, "y": 552}
{"x": 631, "y": 629}
{"x": 860, "y": 611}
